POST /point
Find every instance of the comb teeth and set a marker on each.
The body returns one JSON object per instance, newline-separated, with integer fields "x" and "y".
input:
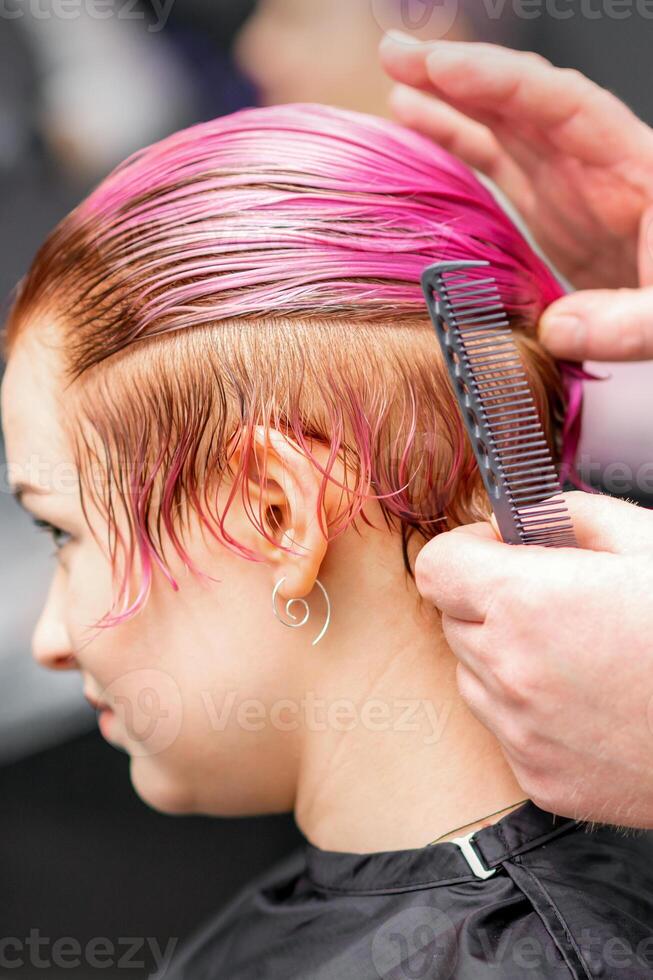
{"x": 497, "y": 405}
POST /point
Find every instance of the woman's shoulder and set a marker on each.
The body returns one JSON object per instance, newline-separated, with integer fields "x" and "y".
{"x": 572, "y": 902}
{"x": 206, "y": 952}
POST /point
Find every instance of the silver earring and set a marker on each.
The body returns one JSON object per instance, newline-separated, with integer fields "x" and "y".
{"x": 304, "y": 603}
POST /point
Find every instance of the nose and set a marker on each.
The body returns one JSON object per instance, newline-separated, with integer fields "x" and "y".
{"x": 51, "y": 646}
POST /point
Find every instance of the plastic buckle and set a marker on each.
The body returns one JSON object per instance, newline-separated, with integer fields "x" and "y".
{"x": 472, "y": 857}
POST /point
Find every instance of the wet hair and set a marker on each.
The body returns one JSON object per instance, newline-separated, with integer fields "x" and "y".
{"x": 263, "y": 268}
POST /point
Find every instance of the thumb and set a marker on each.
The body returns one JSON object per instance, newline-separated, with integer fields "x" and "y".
{"x": 482, "y": 529}
{"x": 605, "y": 523}
{"x": 600, "y": 325}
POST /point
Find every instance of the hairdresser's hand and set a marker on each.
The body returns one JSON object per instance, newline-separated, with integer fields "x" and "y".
{"x": 555, "y": 650}
{"x": 575, "y": 161}
{"x": 605, "y": 324}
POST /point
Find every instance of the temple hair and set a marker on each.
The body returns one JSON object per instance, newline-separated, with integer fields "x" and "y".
{"x": 264, "y": 268}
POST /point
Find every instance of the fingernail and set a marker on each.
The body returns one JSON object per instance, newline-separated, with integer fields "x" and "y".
{"x": 402, "y": 37}
{"x": 564, "y": 334}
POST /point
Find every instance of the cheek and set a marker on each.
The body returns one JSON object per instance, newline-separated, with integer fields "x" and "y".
{"x": 203, "y": 745}
{"x": 88, "y": 596}
{"x": 187, "y": 679}
{"x": 148, "y": 711}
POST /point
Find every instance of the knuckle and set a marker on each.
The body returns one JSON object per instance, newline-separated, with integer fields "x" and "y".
{"x": 538, "y": 589}
{"x": 528, "y": 744}
{"x": 575, "y": 77}
{"x": 501, "y": 603}
{"x": 486, "y": 654}
{"x": 469, "y": 688}
{"x": 537, "y": 60}
{"x": 518, "y": 739}
{"x": 514, "y": 680}
{"x": 430, "y": 565}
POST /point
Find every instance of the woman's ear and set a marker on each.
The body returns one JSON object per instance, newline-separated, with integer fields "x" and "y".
{"x": 283, "y": 489}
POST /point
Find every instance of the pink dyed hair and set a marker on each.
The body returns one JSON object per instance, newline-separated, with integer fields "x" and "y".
{"x": 265, "y": 267}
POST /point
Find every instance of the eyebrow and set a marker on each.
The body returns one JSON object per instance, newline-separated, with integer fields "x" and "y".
{"x": 20, "y": 489}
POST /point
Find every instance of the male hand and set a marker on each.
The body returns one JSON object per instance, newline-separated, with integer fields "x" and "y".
{"x": 555, "y": 650}
{"x": 572, "y": 158}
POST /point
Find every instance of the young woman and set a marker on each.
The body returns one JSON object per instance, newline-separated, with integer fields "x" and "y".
{"x": 225, "y": 399}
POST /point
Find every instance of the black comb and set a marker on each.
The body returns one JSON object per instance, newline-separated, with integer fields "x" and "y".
{"x": 497, "y": 405}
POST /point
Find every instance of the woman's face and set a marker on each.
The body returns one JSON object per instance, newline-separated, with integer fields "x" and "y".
{"x": 311, "y": 51}
{"x": 201, "y": 682}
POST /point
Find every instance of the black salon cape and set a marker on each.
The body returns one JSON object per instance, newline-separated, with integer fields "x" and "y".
{"x": 564, "y": 902}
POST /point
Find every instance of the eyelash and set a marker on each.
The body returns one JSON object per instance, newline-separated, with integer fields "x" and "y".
{"x": 54, "y": 532}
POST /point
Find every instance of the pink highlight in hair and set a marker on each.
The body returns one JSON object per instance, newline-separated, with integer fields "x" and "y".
{"x": 283, "y": 212}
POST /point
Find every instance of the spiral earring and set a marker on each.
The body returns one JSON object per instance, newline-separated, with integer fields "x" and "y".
{"x": 304, "y": 603}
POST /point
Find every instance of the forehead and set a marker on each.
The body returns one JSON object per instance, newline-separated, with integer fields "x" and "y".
{"x": 31, "y": 406}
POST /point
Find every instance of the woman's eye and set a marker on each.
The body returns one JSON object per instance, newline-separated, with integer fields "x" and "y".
{"x": 59, "y": 537}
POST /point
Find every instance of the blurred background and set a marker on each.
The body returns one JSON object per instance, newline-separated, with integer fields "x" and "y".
{"x": 82, "y": 84}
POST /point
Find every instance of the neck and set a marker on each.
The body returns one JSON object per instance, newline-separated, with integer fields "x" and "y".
{"x": 391, "y": 756}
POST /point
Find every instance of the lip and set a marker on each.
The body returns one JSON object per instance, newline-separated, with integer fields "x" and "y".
{"x": 94, "y": 703}
{"x": 105, "y": 715}
{"x": 104, "y": 721}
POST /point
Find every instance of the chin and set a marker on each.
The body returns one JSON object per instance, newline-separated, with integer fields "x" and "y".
{"x": 160, "y": 790}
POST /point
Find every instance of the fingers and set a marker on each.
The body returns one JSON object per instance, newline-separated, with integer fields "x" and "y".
{"x": 485, "y": 80}
{"x": 470, "y": 141}
{"x": 601, "y": 523}
{"x": 467, "y": 641}
{"x": 452, "y": 570}
{"x": 605, "y": 325}
{"x": 482, "y": 529}
{"x": 604, "y": 523}
{"x": 475, "y": 694}
{"x": 406, "y": 61}
{"x": 463, "y": 572}
{"x": 600, "y": 325}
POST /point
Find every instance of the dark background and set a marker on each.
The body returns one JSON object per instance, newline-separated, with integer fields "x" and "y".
{"x": 80, "y": 855}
